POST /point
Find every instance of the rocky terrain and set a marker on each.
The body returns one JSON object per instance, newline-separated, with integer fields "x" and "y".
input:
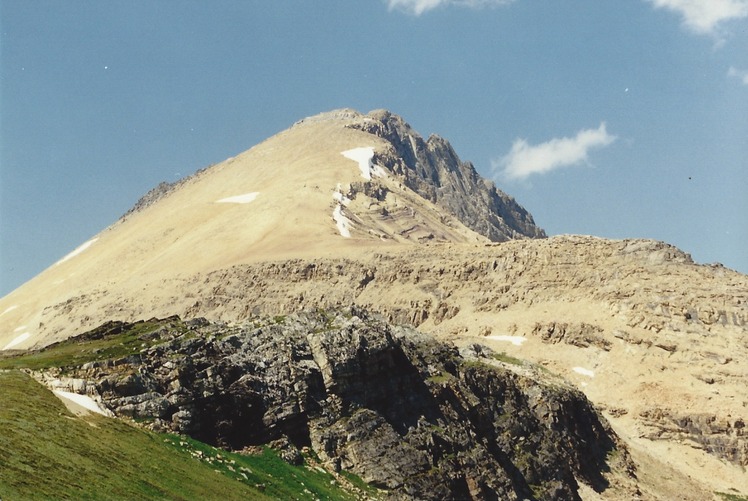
{"x": 412, "y": 416}
{"x": 648, "y": 336}
{"x": 432, "y": 169}
{"x": 351, "y": 210}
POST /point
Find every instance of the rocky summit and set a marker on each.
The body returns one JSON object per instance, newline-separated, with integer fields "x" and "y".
{"x": 432, "y": 169}
{"x": 290, "y": 281}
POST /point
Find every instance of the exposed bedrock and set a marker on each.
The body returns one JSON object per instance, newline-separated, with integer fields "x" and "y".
{"x": 407, "y": 413}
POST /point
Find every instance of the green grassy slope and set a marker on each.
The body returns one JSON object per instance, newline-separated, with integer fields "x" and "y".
{"x": 47, "y": 453}
{"x": 107, "y": 342}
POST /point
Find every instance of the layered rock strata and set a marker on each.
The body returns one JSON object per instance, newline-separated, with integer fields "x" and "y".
{"x": 432, "y": 169}
{"x": 408, "y": 414}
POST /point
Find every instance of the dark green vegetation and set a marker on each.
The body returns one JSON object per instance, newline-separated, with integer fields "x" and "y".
{"x": 47, "y": 453}
{"x": 508, "y": 359}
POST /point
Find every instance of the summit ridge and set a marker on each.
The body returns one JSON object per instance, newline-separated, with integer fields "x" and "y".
{"x": 432, "y": 169}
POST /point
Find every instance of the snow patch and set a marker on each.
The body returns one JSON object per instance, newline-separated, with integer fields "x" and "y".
{"x": 21, "y": 328}
{"x": 583, "y": 371}
{"x": 515, "y": 340}
{"x": 77, "y": 251}
{"x": 20, "y": 339}
{"x": 82, "y": 400}
{"x": 9, "y": 309}
{"x": 344, "y": 224}
{"x": 239, "y": 199}
{"x": 364, "y": 158}
{"x": 340, "y": 198}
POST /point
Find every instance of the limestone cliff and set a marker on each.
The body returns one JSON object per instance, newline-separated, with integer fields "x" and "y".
{"x": 411, "y": 415}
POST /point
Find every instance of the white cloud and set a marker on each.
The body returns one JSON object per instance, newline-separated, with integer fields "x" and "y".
{"x": 741, "y": 74}
{"x": 525, "y": 159}
{"x": 704, "y": 16}
{"x": 418, "y": 7}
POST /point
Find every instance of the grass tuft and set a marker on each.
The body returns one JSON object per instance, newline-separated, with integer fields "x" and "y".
{"x": 508, "y": 359}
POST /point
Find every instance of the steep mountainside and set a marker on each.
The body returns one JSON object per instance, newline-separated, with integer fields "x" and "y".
{"x": 312, "y": 190}
{"x": 345, "y": 209}
{"x": 651, "y": 338}
{"x": 432, "y": 169}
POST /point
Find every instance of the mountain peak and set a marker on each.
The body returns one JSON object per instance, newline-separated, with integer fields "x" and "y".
{"x": 433, "y": 169}
{"x": 337, "y": 115}
{"x": 346, "y": 208}
{"x": 335, "y": 183}
{"x": 430, "y": 168}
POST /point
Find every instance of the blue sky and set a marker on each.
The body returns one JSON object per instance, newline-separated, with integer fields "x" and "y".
{"x": 612, "y": 118}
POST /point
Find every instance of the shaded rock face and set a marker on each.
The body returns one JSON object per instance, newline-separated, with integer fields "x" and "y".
{"x": 722, "y": 437}
{"x": 432, "y": 169}
{"x": 406, "y": 413}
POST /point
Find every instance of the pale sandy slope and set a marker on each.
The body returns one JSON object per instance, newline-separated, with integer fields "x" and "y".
{"x": 286, "y": 197}
{"x": 657, "y": 342}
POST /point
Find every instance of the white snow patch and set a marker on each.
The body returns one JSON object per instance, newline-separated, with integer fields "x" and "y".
{"x": 341, "y": 198}
{"x": 344, "y": 224}
{"x": 21, "y": 328}
{"x": 82, "y": 400}
{"x": 583, "y": 371}
{"x": 9, "y": 309}
{"x": 77, "y": 251}
{"x": 413, "y": 145}
{"x": 515, "y": 340}
{"x": 20, "y": 339}
{"x": 239, "y": 199}
{"x": 364, "y": 158}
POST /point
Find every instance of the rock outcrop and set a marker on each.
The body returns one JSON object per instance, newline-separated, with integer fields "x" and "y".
{"x": 634, "y": 323}
{"x": 408, "y": 414}
{"x": 724, "y": 437}
{"x": 433, "y": 170}
{"x": 161, "y": 190}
